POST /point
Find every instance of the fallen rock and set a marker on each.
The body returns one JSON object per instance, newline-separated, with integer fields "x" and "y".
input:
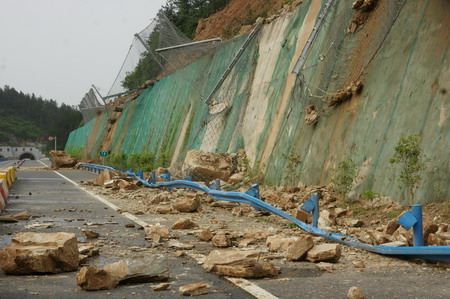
{"x": 178, "y": 245}
{"x": 326, "y": 219}
{"x": 184, "y": 223}
{"x": 255, "y": 271}
{"x": 61, "y": 159}
{"x": 203, "y": 166}
{"x": 140, "y": 267}
{"x": 230, "y": 257}
{"x": 194, "y": 289}
{"x": 429, "y": 227}
{"x": 160, "y": 287}
{"x": 298, "y": 249}
{"x": 391, "y": 227}
{"x": 279, "y": 243}
{"x": 163, "y": 209}
{"x": 221, "y": 240}
{"x": 205, "y": 235}
{"x": 88, "y": 250}
{"x": 302, "y": 216}
{"x": 324, "y": 252}
{"x": 22, "y": 216}
{"x": 156, "y": 233}
{"x": 355, "y": 293}
{"x": 311, "y": 115}
{"x": 187, "y": 204}
{"x": 236, "y": 178}
{"x": 435, "y": 240}
{"x": 90, "y": 234}
{"x": 355, "y": 223}
{"x": 359, "y": 264}
{"x": 91, "y": 278}
{"x": 40, "y": 253}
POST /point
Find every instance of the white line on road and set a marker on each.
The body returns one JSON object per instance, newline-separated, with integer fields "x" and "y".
{"x": 244, "y": 284}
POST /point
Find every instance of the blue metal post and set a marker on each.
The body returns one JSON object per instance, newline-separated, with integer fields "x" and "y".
{"x": 140, "y": 174}
{"x": 315, "y": 212}
{"x": 418, "y": 226}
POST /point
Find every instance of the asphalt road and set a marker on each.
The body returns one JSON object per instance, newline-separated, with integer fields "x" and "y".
{"x": 52, "y": 199}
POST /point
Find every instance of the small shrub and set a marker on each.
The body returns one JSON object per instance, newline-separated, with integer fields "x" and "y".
{"x": 410, "y": 159}
{"x": 343, "y": 175}
{"x": 291, "y": 171}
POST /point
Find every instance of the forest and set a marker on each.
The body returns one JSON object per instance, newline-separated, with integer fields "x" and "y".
{"x": 25, "y": 118}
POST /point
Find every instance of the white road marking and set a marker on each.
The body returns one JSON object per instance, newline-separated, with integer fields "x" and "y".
{"x": 244, "y": 284}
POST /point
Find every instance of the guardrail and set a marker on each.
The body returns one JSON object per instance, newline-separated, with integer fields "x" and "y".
{"x": 7, "y": 178}
{"x": 251, "y": 197}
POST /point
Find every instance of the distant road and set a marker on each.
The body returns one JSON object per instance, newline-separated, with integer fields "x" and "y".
{"x": 7, "y": 163}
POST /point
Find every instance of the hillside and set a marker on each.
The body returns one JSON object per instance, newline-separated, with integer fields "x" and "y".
{"x": 376, "y": 71}
{"x": 24, "y": 118}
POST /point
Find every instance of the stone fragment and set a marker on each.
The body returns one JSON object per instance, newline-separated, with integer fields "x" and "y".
{"x": 187, "y": 204}
{"x": 140, "y": 267}
{"x": 324, "y": 252}
{"x": 435, "y": 240}
{"x": 160, "y": 287}
{"x": 394, "y": 244}
{"x": 403, "y": 235}
{"x": 156, "y": 232}
{"x": 279, "y": 243}
{"x": 203, "y": 166}
{"x": 326, "y": 219}
{"x": 255, "y": 271}
{"x": 379, "y": 237}
{"x": 91, "y": 278}
{"x": 8, "y": 219}
{"x": 163, "y": 209}
{"x": 230, "y": 257}
{"x": 184, "y": 223}
{"x": 302, "y": 216}
{"x": 245, "y": 242}
{"x": 22, "y": 216}
{"x": 205, "y": 235}
{"x": 311, "y": 115}
{"x": 391, "y": 227}
{"x": 355, "y": 223}
{"x": 123, "y": 184}
{"x": 194, "y": 289}
{"x": 298, "y": 249}
{"x": 40, "y": 253}
{"x": 179, "y": 253}
{"x": 355, "y": 293}
{"x": 340, "y": 212}
{"x": 221, "y": 240}
{"x": 236, "y": 178}
{"x": 178, "y": 245}
{"x": 429, "y": 227}
{"x": 88, "y": 250}
{"x": 359, "y": 264}
{"x": 90, "y": 234}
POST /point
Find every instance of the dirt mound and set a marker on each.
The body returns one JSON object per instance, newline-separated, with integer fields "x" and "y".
{"x": 238, "y": 13}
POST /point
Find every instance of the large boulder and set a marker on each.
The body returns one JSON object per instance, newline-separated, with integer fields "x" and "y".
{"x": 205, "y": 166}
{"x": 40, "y": 253}
{"x": 143, "y": 267}
{"x": 61, "y": 159}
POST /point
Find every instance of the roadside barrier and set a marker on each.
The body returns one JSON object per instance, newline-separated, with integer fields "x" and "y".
{"x": 251, "y": 197}
{"x": 7, "y": 178}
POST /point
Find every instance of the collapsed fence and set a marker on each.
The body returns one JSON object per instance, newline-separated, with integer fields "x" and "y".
{"x": 251, "y": 197}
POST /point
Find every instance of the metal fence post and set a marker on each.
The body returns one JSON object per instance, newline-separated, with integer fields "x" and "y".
{"x": 315, "y": 212}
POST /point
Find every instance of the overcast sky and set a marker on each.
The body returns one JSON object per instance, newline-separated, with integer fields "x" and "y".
{"x": 58, "y": 48}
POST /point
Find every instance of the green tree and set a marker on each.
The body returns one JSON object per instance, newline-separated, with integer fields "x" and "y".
{"x": 408, "y": 157}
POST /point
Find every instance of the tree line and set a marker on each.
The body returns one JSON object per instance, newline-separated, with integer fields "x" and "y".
{"x": 25, "y": 118}
{"x": 185, "y": 15}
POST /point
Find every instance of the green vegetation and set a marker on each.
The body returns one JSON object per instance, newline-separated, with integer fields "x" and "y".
{"x": 185, "y": 14}
{"x": 291, "y": 172}
{"x": 410, "y": 160}
{"x": 370, "y": 195}
{"x": 145, "y": 161}
{"x": 343, "y": 175}
{"x": 25, "y": 118}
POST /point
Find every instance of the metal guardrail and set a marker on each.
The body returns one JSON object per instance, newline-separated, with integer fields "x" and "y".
{"x": 431, "y": 253}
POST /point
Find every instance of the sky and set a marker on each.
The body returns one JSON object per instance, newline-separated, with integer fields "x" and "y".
{"x": 58, "y": 48}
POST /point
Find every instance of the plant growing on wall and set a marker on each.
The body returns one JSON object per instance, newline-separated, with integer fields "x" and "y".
{"x": 291, "y": 172}
{"x": 409, "y": 159}
{"x": 343, "y": 175}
